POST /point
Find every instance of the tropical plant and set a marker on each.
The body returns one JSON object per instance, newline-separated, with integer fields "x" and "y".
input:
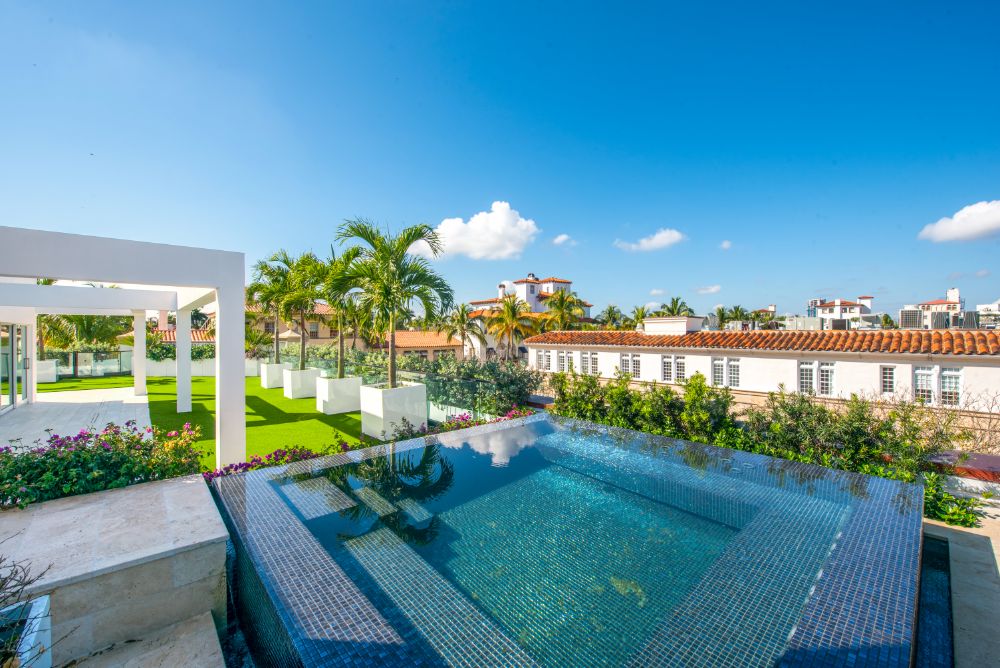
{"x": 675, "y": 307}
{"x": 510, "y": 323}
{"x": 460, "y": 324}
{"x": 563, "y": 310}
{"x": 390, "y": 277}
{"x": 339, "y": 296}
{"x": 610, "y": 317}
{"x": 738, "y": 314}
{"x": 256, "y": 342}
{"x": 722, "y": 315}
{"x": 638, "y": 314}
{"x": 299, "y": 281}
{"x": 270, "y": 281}
{"x": 888, "y": 322}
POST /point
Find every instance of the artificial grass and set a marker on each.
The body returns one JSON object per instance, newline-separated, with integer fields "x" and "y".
{"x": 273, "y": 422}
{"x": 87, "y": 383}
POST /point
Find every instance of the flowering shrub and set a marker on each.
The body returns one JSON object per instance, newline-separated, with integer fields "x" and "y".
{"x": 276, "y": 458}
{"x": 91, "y": 461}
{"x": 460, "y": 421}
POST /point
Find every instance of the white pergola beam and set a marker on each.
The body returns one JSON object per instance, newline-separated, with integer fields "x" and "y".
{"x": 51, "y": 298}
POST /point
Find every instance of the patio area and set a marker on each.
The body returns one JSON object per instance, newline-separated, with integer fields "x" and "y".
{"x": 65, "y": 413}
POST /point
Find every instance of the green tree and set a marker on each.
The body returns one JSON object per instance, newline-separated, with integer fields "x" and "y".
{"x": 888, "y": 322}
{"x": 390, "y": 277}
{"x": 270, "y": 282}
{"x": 511, "y": 323}
{"x": 638, "y": 314}
{"x": 611, "y": 316}
{"x": 722, "y": 315}
{"x": 297, "y": 282}
{"x": 563, "y": 310}
{"x": 339, "y": 296}
{"x": 460, "y": 324}
{"x": 676, "y": 306}
{"x": 738, "y": 314}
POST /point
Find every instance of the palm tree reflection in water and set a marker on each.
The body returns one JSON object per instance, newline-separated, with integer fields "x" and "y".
{"x": 417, "y": 475}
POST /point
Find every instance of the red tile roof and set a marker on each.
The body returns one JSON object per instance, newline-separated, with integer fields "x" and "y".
{"x": 406, "y": 339}
{"x": 937, "y": 342}
{"x": 527, "y": 280}
{"x": 866, "y": 297}
{"x": 321, "y": 309}
{"x": 486, "y": 301}
{"x": 937, "y": 302}
{"x": 843, "y": 302}
{"x": 553, "y": 279}
{"x": 197, "y": 336}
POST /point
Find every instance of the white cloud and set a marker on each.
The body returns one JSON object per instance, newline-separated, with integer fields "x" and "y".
{"x": 652, "y": 306}
{"x": 663, "y": 238}
{"x": 498, "y": 234}
{"x": 564, "y": 240}
{"x": 655, "y": 291}
{"x": 982, "y": 273}
{"x": 709, "y": 290}
{"x": 975, "y": 221}
{"x": 726, "y": 244}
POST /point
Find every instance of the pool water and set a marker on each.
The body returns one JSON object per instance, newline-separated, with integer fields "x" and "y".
{"x": 558, "y": 543}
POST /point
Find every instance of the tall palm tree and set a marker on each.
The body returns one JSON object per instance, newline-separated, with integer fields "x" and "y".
{"x": 51, "y": 329}
{"x": 738, "y": 314}
{"x": 563, "y": 310}
{"x": 611, "y": 316}
{"x": 338, "y": 294}
{"x": 676, "y": 306}
{"x": 298, "y": 282}
{"x": 462, "y": 325}
{"x": 639, "y": 313}
{"x": 722, "y": 315}
{"x": 391, "y": 278}
{"x": 358, "y": 319}
{"x": 270, "y": 281}
{"x": 510, "y": 323}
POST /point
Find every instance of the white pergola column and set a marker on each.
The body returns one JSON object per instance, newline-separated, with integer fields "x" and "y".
{"x": 230, "y": 382}
{"x": 183, "y": 348}
{"x": 31, "y": 348}
{"x": 139, "y": 352}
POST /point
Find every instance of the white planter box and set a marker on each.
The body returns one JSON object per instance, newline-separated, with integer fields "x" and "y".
{"x": 271, "y": 375}
{"x": 34, "y": 648}
{"x": 300, "y": 384}
{"x": 250, "y": 368}
{"x": 383, "y": 410}
{"x": 338, "y": 395}
{"x": 45, "y": 371}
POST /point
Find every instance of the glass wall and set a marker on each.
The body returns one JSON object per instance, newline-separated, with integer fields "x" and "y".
{"x": 13, "y": 364}
{"x": 6, "y": 358}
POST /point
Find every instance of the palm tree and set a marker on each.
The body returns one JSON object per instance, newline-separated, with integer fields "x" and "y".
{"x": 339, "y": 295}
{"x": 390, "y": 277}
{"x": 510, "y": 323}
{"x": 563, "y": 310}
{"x": 270, "y": 282}
{"x": 358, "y": 319}
{"x": 722, "y": 315}
{"x": 51, "y": 329}
{"x": 256, "y": 342}
{"x": 611, "y": 316}
{"x": 738, "y": 314}
{"x": 639, "y": 313}
{"x": 462, "y": 325}
{"x": 675, "y": 307}
{"x": 297, "y": 288}
{"x": 888, "y": 322}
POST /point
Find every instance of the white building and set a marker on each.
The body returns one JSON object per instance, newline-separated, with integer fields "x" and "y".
{"x": 933, "y": 314}
{"x": 944, "y": 368}
{"x": 989, "y": 314}
{"x": 842, "y": 309}
{"x": 533, "y": 291}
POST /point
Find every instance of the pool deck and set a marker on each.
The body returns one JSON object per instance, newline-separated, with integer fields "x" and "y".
{"x": 66, "y": 413}
{"x": 975, "y": 587}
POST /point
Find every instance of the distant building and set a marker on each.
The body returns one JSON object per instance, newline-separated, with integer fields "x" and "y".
{"x": 989, "y": 314}
{"x": 934, "y": 314}
{"x": 833, "y": 311}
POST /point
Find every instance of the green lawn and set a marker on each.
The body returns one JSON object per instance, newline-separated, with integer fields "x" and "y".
{"x": 94, "y": 383}
{"x": 273, "y": 421}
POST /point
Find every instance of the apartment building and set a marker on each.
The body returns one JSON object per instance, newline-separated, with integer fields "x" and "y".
{"x": 951, "y": 368}
{"x": 933, "y": 314}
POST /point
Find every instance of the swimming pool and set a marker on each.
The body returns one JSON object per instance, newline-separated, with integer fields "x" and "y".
{"x": 554, "y": 542}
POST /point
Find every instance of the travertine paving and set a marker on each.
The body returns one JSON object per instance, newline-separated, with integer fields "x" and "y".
{"x": 65, "y": 413}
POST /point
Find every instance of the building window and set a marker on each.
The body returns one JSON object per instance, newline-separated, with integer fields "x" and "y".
{"x": 593, "y": 364}
{"x": 269, "y": 327}
{"x": 539, "y": 358}
{"x": 950, "y": 386}
{"x": 718, "y": 371}
{"x": 825, "y": 388}
{"x": 806, "y": 378}
{"x": 560, "y": 361}
{"x": 630, "y": 365}
{"x": 667, "y": 370}
{"x": 680, "y": 369}
{"x": 532, "y": 288}
{"x": 923, "y": 384}
{"x": 314, "y": 330}
{"x": 887, "y": 379}
{"x": 588, "y": 363}
{"x": 733, "y": 368}
{"x": 548, "y": 360}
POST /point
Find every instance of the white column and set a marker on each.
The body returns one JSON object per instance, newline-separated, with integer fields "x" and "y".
{"x": 139, "y": 352}
{"x": 230, "y": 381}
{"x": 183, "y": 360}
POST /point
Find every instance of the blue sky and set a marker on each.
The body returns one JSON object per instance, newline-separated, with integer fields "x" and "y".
{"x": 818, "y": 141}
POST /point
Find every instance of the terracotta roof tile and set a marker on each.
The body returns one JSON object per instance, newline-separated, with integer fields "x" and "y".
{"x": 197, "y": 336}
{"x": 938, "y": 342}
{"x": 414, "y": 340}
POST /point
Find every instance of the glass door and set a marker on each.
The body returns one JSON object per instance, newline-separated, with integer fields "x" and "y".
{"x": 21, "y": 363}
{"x": 6, "y": 359}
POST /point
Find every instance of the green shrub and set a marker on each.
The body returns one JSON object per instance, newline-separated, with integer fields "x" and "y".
{"x": 92, "y": 460}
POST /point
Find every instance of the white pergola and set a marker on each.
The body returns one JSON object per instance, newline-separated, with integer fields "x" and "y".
{"x": 180, "y": 279}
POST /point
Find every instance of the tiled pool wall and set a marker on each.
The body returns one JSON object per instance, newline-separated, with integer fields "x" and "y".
{"x": 843, "y": 620}
{"x": 935, "y": 641}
